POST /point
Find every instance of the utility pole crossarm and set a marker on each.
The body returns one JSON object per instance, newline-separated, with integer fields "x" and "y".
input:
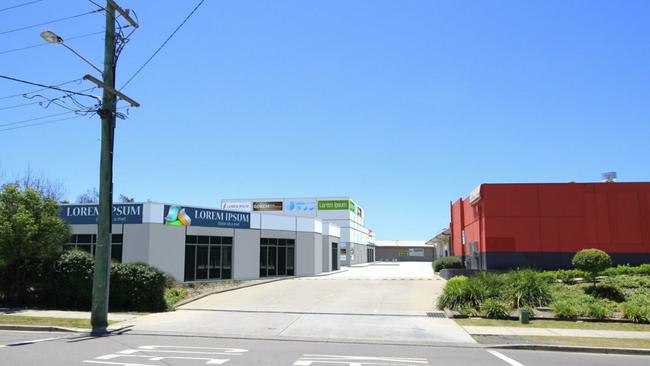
{"x": 111, "y": 90}
{"x": 124, "y": 13}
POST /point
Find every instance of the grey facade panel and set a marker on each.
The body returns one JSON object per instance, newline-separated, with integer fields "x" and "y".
{"x": 167, "y": 249}
{"x": 279, "y": 234}
{"x": 135, "y": 247}
{"x": 246, "y": 254}
{"x": 308, "y": 254}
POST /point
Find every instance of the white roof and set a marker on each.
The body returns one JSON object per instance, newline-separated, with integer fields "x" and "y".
{"x": 402, "y": 243}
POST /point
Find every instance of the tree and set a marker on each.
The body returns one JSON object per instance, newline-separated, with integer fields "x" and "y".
{"x": 31, "y": 236}
{"x": 90, "y": 196}
{"x": 46, "y": 187}
{"x": 593, "y": 261}
{"x": 126, "y": 199}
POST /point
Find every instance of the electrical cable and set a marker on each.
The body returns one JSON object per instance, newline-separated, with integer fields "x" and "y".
{"x": 21, "y": 5}
{"x": 48, "y": 87}
{"x": 48, "y": 44}
{"x": 163, "y": 44}
{"x": 38, "y": 90}
{"x": 49, "y": 22}
{"x": 34, "y": 119}
{"x": 40, "y": 123}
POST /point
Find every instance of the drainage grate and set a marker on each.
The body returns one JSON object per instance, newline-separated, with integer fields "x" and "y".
{"x": 436, "y": 314}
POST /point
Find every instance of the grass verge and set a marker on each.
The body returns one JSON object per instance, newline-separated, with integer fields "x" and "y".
{"x": 592, "y": 342}
{"x": 541, "y": 323}
{"x": 46, "y": 321}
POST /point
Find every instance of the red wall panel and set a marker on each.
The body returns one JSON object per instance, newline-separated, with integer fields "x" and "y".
{"x": 562, "y": 217}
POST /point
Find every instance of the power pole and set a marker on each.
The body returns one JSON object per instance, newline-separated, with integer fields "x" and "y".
{"x": 99, "y": 315}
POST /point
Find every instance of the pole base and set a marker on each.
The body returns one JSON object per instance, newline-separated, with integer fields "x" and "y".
{"x": 98, "y": 332}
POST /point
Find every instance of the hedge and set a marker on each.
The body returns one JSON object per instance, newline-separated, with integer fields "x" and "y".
{"x": 137, "y": 286}
{"x": 447, "y": 262}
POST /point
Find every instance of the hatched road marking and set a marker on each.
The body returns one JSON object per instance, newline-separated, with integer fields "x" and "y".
{"x": 505, "y": 358}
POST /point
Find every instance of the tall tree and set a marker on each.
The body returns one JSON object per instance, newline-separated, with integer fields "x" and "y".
{"x": 90, "y": 196}
{"x": 38, "y": 182}
{"x": 31, "y": 235}
{"x": 126, "y": 199}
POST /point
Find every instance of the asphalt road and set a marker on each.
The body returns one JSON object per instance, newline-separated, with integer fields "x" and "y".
{"x": 155, "y": 350}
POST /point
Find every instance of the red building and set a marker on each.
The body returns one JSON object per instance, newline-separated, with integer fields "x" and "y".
{"x": 503, "y": 226}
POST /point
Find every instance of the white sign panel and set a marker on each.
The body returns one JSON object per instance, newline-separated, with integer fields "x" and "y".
{"x": 241, "y": 206}
{"x": 300, "y": 207}
{"x": 416, "y": 252}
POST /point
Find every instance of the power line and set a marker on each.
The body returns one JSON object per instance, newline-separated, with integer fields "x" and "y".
{"x": 47, "y": 44}
{"x": 34, "y": 119}
{"x": 38, "y": 90}
{"x": 18, "y": 106}
{"x": 163, "y": 44}
{"x": 21, "y": 5}
{"x": 47, "y": 86}
{"x": 49, "y": 22}
{"x": 45, "y": 102}
{"x": 40, "y": 123}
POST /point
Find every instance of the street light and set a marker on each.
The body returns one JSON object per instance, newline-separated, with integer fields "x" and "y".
{"x": 51, "y": 37}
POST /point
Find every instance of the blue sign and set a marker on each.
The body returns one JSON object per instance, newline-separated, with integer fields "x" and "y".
{"x": 300, "y": 206}
{"x": 192, "y": 216}
{"x": 88, "y": 214}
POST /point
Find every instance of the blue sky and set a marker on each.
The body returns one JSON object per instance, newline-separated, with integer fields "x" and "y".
{"x": 403, "y": 105}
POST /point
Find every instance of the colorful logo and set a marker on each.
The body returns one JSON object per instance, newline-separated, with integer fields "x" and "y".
{"x": 176, "y": 216}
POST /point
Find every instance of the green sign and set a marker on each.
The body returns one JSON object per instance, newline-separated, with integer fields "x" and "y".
{"x": 337, "y": 205}
{"x": 403, "y": 254}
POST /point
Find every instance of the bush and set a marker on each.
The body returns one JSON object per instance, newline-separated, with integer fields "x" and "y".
{"x": 447, "y": 262}
{"x": 598, "y": 310}
{"x": 137, "y": 286}
{"x": 495, "y": 309}
{"x": 637, "y": 307}
{"x": 174, "y": 295}
{"x": 527, "y": 288}
{"x": 72, "y": 281}
{"x": 568, "y": 276}
{"x": 469, "y": 310}
{"x": 453, "y": 295}
{"x": 564, "y": 309}
{"x": 626, "y": 269}
{"x": 593, "y": 261}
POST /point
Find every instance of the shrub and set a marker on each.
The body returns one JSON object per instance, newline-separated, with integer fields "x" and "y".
{"x": 174, "y": 295}
{"x": 570, "y": 275}
{"x": 626, "y": 269}
{"x": 607, "y": 291}
{"x": 527, "y": 288}
{"x": 447, "y": 262}
{"x": 137, "y": 286}
{"x": 495, "y": 309}
{"x": 598, "y": 310}
{"x": 564, "y": 309}
{"x": 637, "y": 307}
{"x": 453, "y": 295}
{"x": 469, "y": 310}
{"x": 593, "y": 261}
{"x": 72, "y": 280}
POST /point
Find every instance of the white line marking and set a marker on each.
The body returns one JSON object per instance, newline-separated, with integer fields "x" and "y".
{"x": 210, "y": 361}
{"x": 505, "y": 358}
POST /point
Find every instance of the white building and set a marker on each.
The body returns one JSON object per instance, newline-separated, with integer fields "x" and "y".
{"x": 356, "y": 242}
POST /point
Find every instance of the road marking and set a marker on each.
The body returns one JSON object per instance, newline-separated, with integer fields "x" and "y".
{"x": 505, "y": 358}
{"x": 311, "y": 359}
{"x": 210, "y": 361}
{"x": 187, "y": 353}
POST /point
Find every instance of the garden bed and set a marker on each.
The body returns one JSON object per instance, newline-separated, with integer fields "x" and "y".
{"x": 620, "y": 294}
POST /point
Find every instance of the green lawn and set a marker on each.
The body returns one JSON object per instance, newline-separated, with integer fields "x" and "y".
{"x": 556, "y": 324}
{"x": 54, "y": 322}
{"x": 593, "y": 342}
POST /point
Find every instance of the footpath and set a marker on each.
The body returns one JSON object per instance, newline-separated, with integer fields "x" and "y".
{"x": 554, "y": 332}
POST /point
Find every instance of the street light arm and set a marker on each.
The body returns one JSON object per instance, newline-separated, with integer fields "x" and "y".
{"x": 81, "y": 57}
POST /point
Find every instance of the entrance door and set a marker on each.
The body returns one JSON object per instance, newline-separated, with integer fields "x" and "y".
{"x": 335, "y": 258}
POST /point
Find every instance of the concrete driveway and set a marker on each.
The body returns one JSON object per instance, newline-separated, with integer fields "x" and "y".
{"x": 381, "y": 302}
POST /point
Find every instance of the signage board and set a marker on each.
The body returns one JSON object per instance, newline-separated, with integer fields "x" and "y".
{"x": 475, "y": 195}
{"x": 300, "y": 206}
{"x": 337, "y": 205}
{"x": 192, "y": 216}
{"x": 267, "y": 206}
{"x": 241, "y": 206}
{"x": 403, "y": 254}
{"x": 416, "y": 252}
{"x": 123, "y": 213}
